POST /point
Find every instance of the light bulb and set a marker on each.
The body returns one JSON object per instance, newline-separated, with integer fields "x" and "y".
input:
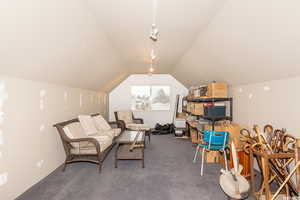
{"x": 153, "y": 56}
{"x": 151, "y": 69}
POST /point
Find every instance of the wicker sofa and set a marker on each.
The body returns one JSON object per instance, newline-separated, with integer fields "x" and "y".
{"x": 83, "y": 146}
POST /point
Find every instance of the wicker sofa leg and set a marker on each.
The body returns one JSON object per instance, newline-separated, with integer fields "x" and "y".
{"x": 65, "y": 164}
{"x": 100, "y": 163}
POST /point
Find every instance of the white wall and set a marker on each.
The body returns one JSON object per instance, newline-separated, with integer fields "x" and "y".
{"x": 120, "y": 97}
{"x": 30, "y": 148}
{"x": 275, "y": 102}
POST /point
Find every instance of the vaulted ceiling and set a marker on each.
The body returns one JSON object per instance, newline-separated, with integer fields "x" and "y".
{"x": 95, "y": 44}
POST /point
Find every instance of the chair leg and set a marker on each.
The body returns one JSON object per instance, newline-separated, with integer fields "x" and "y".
{"x": 100, "y": 167}
{"x": 100, "y": 163}
{"x": 64, "y": 167}
{"x": 202, "y": 161}
{"x": 65, "y": 164}
{"x": 196, "y": 154}
{"x": 225, "y": 160}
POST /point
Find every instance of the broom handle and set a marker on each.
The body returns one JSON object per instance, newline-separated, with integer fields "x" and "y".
{"x": 286, "y": 180}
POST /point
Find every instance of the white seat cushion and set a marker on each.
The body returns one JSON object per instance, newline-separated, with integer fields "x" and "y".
{"x": 88, "y": 124}
{"x": 104, "y": 141}
{"x": 101, "y": 123}
{"x": 137, "y": 127}
{"x": 109, "y": 133}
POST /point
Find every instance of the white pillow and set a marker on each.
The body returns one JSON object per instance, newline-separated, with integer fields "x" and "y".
{"x": 87, "y": 124}
{"x": 68, "y": 132}
{"x": 126, "y": 116}
{"x": 101, "y": 124}
{"x": 74, "y": 130}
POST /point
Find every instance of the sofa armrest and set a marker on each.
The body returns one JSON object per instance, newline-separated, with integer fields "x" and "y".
{"x": 121, "y": 124}
{"x": 138, "y": 120}
{"x": 114, "y": 124}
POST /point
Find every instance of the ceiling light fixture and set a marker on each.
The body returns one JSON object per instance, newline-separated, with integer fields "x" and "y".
{"x": 154, "y": 33}
{"x": 151, "y": 69}
{"x": 153, "y": 55}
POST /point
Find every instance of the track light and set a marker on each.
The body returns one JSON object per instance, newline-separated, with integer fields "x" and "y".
{"x": 154, "y": 33}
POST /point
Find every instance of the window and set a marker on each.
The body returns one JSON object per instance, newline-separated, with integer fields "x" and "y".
{"x": 149, "y": 98}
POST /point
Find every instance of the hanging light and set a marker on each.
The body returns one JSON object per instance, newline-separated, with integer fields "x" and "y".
{"x": 154, "y": 33}
{"x": 153, "y": 55}
{"x": 151, "y": 69}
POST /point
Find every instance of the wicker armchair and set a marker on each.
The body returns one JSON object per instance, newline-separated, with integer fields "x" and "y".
{"x": 80, "y": 147}
{"x": 127, "y": 121}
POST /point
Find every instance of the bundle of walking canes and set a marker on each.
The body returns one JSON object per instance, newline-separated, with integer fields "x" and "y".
{"x": 275, "y": 151}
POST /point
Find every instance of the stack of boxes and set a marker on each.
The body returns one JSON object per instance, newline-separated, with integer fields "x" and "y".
{"x": 212, "y": 90}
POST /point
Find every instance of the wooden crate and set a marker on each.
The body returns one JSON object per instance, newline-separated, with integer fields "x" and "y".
{"x": 244, "y": 160}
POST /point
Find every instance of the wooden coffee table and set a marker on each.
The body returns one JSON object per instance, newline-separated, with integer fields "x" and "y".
{"x": 125, "y": 149}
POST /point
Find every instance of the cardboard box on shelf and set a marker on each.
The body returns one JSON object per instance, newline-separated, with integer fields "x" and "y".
{"x": 193, "y": 123}
{"x": 217, "y": 90}
{"x": 234, "y": 132}
{"x": 181, "y": 115}
{"x": 201, "y": 92}
{"x": 198, "y": 109}
{"x": 212, "y": 156}
{"x": 190, "y": 106}
{"x": 190, "y": 96}
{"x": 194, "y": 136}
{"x": 221, "y": 158}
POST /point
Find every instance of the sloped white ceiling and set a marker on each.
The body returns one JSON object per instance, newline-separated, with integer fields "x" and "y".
{"x": 57, "y": 41}
{"x": 95, "y": 44}
{"x": 246, "y": 42}
{"x": 128, "y": 23}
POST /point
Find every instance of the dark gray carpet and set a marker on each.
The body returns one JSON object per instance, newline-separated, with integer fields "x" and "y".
{"x": 169, "y": 175}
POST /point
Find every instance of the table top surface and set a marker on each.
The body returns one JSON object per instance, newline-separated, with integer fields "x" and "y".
{"x": 129, "y": 136}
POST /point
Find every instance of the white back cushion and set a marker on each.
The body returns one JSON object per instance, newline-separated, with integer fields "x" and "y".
{"x": 101, "y": 123}
{"x": 87, "y": 124}
{"x": 68, "y": 132}
{"x": 74, "y": 130}
{"x": 126, "y": 116}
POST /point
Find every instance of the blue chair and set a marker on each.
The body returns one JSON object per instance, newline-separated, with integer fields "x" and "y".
{"x": 214, "y": 141}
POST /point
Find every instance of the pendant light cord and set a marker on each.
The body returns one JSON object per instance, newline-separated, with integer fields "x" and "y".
{"x": 154, "y": 11}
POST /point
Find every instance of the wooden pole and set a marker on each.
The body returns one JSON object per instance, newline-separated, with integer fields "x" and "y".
{"x": 297, "y": 159}
{"x": 252, "y": 172}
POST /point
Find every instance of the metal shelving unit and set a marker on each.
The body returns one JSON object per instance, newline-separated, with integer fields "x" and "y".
{"x": 213, "y": 120}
